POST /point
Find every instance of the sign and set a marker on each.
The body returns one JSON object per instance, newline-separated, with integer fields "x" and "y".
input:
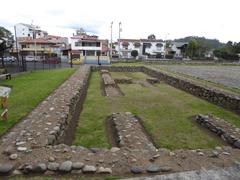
{"x": 4, "y": 91}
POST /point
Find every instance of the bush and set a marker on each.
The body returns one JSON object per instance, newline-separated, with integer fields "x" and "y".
{"x": 134, "y": 53}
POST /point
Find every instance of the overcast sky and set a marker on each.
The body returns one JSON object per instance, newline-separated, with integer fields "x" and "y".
{"x": 165, "y": 18}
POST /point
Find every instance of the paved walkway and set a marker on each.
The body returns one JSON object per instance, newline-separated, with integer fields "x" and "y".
{"x": 229, "y": 173}
{"x": 226, "y": 75}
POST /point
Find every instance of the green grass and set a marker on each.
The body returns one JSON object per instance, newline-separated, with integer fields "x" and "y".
{"x": 28, "y": 90}
{"x": 166, "y": 113}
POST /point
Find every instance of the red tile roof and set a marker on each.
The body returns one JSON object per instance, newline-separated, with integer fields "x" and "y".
{"x": 38, "y": 41}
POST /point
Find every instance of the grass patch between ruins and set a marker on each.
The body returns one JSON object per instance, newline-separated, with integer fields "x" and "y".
{"x": 165, "y": 111}
{"x": 28, "y": 90}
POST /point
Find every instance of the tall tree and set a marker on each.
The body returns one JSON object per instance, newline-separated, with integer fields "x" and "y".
{"x": 6, "y": 42}
{"x": 192, "y": 48}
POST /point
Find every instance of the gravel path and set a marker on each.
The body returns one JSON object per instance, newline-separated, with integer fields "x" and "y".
{"x": 226, "y": 75}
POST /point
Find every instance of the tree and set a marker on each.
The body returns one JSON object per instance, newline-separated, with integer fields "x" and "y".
{"x": 151, "y": 37}
{"x": 134, "y": 53}
{"x": 229, "y": 52}
{"x": 6, "y": 41}
{"x": 192, "y": 48}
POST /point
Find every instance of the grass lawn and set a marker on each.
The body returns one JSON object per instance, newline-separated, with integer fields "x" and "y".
{"x": 166, "y": 113}
{"x": 28, "y": 90}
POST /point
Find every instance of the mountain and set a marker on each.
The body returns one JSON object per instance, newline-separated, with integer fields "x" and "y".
{"x": 213, "y": 43}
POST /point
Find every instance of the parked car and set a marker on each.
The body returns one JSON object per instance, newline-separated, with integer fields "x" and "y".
{"x": 9, "y": 59}
{"x": 32, "y": 58}
{"x": 75, "y": 61}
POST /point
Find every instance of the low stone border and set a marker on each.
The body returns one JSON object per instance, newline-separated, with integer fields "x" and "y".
{"x": 152, "y": 80}
{"x": 130, "y": 132}
{"x": 227, "y": 131}
{"x": 109, "y": 85}
{"x": 123, "y": 80}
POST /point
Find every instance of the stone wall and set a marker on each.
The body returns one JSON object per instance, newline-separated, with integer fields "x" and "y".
{"x": 227, "y": 131}
{"x": 214, "y": 96}
{"x": 123, "y": 80}
{"x": 75, "y": 94}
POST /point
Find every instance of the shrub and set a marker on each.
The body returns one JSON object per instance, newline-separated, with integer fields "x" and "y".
{"x": 134, "y": 53}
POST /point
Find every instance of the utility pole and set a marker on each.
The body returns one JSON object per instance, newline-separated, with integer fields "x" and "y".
{"x": 165, "y": 45}
{"x": 35, "y": 51}
{"x": 111, "y": 41}
{"x": 120, "y": 30}
{"x": 16, "y": 41}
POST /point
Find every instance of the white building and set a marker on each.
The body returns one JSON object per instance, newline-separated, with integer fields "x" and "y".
{"x": 177, "y": 48}
{"x": 87, "y": 46}
{"x": 145, "y": 47}
{"x": 27, "y": 31}
{"x": 149, "y": 48}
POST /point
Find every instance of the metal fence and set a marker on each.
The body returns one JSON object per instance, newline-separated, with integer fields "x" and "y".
{"x": 22, "y": 65}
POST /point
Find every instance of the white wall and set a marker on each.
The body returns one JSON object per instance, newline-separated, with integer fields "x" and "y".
{"x": 23, "y": 31}
{"x": 85, "y": 47}
{"x": 153, "y": 50}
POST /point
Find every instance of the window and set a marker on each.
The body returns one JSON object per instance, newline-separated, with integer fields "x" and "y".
{"x": 77, "y": 44}
{"x": 24, "y": 46}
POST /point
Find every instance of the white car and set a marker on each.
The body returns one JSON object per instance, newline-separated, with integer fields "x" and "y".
{"x": 32, "y": 58}
{"x": 9, "y": 59}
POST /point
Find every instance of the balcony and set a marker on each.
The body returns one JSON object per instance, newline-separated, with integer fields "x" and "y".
{"x": 37, "y": 49}
{"x": 93, "y": 48}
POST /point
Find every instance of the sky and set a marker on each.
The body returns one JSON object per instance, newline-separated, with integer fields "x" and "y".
{"x": 167, "y": 19}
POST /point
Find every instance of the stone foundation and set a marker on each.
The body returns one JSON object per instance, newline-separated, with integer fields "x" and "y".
{"x": 227, "y": 131}
{"x": 225, "y": 100}
{"x": 109, "y": 85}
{"x": 32, "y": 146}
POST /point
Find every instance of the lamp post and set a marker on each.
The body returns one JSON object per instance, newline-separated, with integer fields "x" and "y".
{"x": 111, "y": 41}
{"x": 120, "y": 30}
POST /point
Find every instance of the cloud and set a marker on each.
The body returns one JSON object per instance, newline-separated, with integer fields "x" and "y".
{"x": 55, "y": 12}
{"x": 88, "y": 27}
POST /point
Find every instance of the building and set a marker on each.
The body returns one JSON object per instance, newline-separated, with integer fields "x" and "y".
{"x": 27, "y": 31}
{"x": 40, "y": 46}
{"x": 31, "y": 39}
{"x": 176, "y": 49}
{"x": 86, "y": 46}
{"x": 145, "y": 47}
{"x": 150, "y": 48}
